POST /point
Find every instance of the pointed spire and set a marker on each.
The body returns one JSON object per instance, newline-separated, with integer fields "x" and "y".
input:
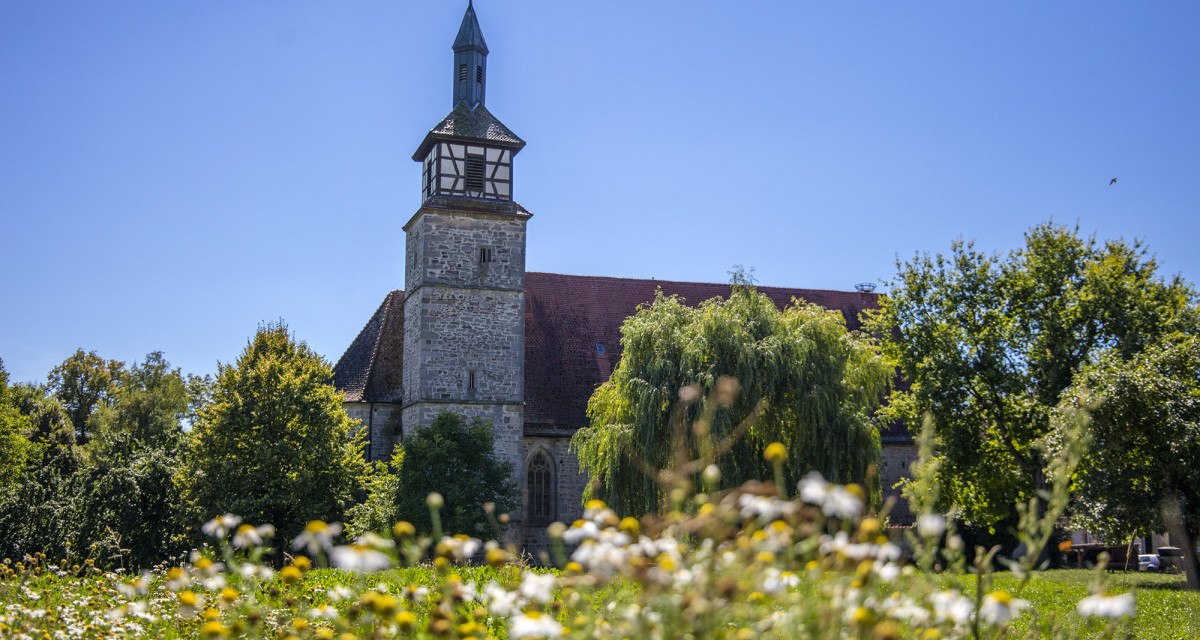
{"x": 470, "y": 61}
{"x": 469, "y": 33}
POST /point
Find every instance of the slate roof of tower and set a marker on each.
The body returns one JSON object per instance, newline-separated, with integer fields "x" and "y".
{"x": 371, "y": 370}
{"x": 464, "y": 123}
{"x": 566, "y": 317}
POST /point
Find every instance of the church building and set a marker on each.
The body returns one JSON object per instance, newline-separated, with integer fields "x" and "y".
{"x": 474, "y": 333}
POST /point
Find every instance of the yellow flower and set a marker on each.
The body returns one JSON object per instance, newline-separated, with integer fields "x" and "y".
{"x": 302, "y": 563}
{"x": 299, "y": 624}
{"x": 406, "y": 619}
{"x": 290, "y": 574}
{"x": 496, "y": 557}
{"x": 229, "y": 594}
{"x": 404, "y": 529}
{"x": 214, "y": 629}
{"x": 630, "y": 525}
{"x": 204, "y": 563}
{"x": 775, "y": 452}
{"x": 188, "y": 598}
{"x": 595, "y": 503}
{"x": 211, "y": 614}
{"x": 862, "y": 616}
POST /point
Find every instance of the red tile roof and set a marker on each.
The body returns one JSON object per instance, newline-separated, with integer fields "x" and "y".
{"x": 567, "y": 317}
{"x": 572, "y": 339}
{"x": 372, "y": 368}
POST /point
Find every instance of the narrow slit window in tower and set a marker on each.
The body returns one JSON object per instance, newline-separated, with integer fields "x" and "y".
{"x": 471, "y": 380}
{"x": 485, "y": 255}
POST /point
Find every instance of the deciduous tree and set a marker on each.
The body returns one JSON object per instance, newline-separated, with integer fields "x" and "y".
{"x": 454, "y": 457}
{"x": 1142, "y": 474}
{"x": 988, "y": 343}
{"x": 274, "y": 445}
{"x": 82, "y": 383}
{"x": 128, "y": 509}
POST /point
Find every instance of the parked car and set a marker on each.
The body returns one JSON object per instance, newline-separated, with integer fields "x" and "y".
{"x": 1149, "y": 562}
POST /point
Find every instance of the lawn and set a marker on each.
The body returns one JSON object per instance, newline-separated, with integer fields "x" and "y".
{"x": 1165, "y": 611}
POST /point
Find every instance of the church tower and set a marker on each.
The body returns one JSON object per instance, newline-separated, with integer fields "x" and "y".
{"x": 464, "y": 276}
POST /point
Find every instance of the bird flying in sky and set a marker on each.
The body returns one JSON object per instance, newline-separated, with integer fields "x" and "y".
{"x": 1112, "y": 182}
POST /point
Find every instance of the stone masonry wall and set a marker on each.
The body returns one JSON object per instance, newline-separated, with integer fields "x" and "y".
{"x": 569, "y": 484}
{"x": 897, "y": 461}
{"x": 444, "y": 249}
{"x": 450, "y": 332}
{"x": 383, "y": 420}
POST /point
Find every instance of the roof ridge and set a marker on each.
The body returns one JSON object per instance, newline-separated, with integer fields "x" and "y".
{"x": 716, "y": 284}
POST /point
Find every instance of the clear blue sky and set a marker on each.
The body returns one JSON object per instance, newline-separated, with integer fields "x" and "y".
{"x": 174, "y": 173}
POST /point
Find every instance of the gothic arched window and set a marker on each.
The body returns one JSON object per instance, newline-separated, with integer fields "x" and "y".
{"x": 539, "y": 480}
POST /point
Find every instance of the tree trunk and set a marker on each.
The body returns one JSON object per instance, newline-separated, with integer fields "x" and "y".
{"x": 1174, "y": 520}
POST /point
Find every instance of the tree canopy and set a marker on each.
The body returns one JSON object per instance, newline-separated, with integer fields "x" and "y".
{"x": 14, "y": 446}
{"x": 988, "y": 344}
{"x": 274, "y": 444}
{"x": 128, "y": 507}
{"x": 1145, "y": 424}
{"x": 83, "y": 383}
{"x": 456, "y": 458}
{"x": 804, "y": 381}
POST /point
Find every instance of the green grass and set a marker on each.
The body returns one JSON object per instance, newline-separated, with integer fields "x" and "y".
{"x": 1165, "y": 610}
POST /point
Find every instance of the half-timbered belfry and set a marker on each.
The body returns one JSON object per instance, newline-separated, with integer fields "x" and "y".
{"x": 472, "y": 332}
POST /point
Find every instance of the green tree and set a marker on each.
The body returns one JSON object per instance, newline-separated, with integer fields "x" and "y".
{"x": 35, "y": 515}
{"x": 988, "y": 343}
{"x": 84, "y": 382}
{"x": 454, "y": 457}
{"x": 128, "y": 509}
{"x": 804, "y": 379}
{"x": 1145, "y": 465}
{"x": 14, "y": 446}
{"x": 377, "y": 512}
{"x": 274, "y": 445}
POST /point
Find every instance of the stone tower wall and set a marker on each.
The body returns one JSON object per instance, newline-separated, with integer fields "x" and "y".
{"x": 443, "y": 248}
{"x": 464, "y": 316}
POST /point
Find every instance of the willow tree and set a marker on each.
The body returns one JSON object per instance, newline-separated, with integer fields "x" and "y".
{"x": 802, "y": 379}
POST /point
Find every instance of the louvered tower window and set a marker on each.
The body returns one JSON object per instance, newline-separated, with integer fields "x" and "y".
{"x": 475, "y": 172}
{"x": 478, "y": 74}
{"x": 462, "y": 73}
{"x": 539, "y": 478}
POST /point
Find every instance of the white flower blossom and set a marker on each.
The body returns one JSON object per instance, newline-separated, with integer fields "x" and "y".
{"x": 534, "y": 625}
{"x": 766, "y": 509}
{"x": 998, "y": 608}
{"x": 951, "y": 606}
{"x": 220, "y": 525}
{"x": 499, "y": 601}
{"x": 317, "y": 536}
{"x": 931, "y": 525}
{"x": 250, "y": 536}
{"x": 1104, "y": 606}
{"x": 537, "y": 587}
{"x": 358, "y": 557}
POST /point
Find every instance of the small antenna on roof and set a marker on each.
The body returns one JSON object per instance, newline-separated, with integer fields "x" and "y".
{"x": 865, "y": 287}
